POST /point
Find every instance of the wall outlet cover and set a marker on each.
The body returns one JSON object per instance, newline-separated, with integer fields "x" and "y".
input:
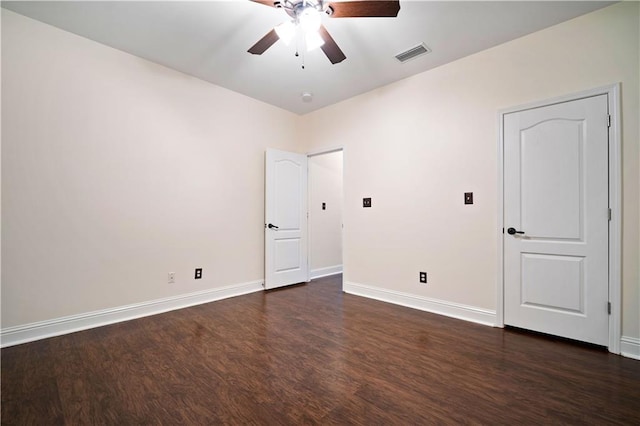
{"x": 423, "y": 277}
{"x": 366, "y": 202}
{"x": 198, "y": 273}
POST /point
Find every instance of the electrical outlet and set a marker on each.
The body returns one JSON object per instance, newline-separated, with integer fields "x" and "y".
{"x": 171, "y": 277}
{"x": 198, "y": 273}
{"x": 423, "y": 277}
{"x": 366, "y": 202}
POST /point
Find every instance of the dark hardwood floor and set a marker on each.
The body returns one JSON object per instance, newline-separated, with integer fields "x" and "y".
{"x": 310, "y": 354}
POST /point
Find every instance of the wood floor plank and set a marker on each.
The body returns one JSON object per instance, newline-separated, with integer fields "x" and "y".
{"x": 35, "y": 394}
{"x": 310, "y": 354}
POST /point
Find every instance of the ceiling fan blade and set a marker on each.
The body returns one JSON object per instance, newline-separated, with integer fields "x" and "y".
{"x": 264, "y": 43}
{"x": 365, "y": 8}
{"x": 330, "y": 47}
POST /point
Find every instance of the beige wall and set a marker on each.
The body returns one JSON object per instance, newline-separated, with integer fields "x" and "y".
{"x": 417, "y": 145}
{"x": 116, "y": 171}
{"x": 325, "y": 226}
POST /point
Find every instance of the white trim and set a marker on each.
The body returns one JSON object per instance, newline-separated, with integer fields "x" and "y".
{"x": 615, "y": 203}
{"x": 615, "y": 225}
{"x": 630, "y": 347}
{"x": 344, "y": 197}
{"x": 500, "y": 228}
{"x": 441, "y": 307}
{"x": 325, "y": 272}
{"x": 65, "y": 325}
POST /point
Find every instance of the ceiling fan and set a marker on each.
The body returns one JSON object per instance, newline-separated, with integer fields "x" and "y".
{"x": 307, "y": 14}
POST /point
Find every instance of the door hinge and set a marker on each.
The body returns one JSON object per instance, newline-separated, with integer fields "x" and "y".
{"x": 609, "y": 214}
{"x": 609, "y": 307}
{"x": 609, "y": 120}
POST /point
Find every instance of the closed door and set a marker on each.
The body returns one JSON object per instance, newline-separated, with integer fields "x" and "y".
{"x": 556, "y": 217}
{"x": 285, "y": 231}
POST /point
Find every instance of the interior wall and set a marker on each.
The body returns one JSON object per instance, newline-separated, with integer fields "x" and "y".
{"x": 325, "y": 186}
{"x": 116, "y": 171}
{"x": 416, "y": 146}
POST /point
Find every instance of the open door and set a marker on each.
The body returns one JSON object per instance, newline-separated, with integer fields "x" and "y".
{"x": 285, "y": 227}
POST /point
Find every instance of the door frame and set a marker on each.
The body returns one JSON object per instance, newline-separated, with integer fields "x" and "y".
{"x": 615, "y": 204}
{"x": 315, "y": 153}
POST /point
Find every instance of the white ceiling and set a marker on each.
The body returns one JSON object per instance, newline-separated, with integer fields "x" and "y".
{"x": 209, "y": 40}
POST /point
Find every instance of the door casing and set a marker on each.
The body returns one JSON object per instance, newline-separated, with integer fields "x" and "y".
{"x": 615, "y": 204}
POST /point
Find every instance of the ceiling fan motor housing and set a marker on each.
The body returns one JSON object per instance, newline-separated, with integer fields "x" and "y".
{"x": 295, "y": 8}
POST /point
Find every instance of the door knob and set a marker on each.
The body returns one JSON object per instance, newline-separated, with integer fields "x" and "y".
{"x": 512, "y": 231}
{"x": 272, "y": 226}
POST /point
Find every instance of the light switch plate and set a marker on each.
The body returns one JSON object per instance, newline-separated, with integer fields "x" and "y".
{"x": 468, "y": 197}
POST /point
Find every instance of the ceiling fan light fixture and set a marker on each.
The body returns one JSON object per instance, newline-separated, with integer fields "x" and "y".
{"x": 310, "y": 19}
{"x": 313, "y": 40}
{"x": 286, "y": 31}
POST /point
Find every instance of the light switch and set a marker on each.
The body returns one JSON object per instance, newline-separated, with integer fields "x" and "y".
{"x": 468, "y": 197}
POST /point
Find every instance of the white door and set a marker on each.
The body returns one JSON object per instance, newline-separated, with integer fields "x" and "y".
{"x": 285, "y": 229}
{"x": 556, "y": 219}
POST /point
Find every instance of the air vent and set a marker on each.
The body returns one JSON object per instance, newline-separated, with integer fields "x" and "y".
{"x": 414, "y": 52}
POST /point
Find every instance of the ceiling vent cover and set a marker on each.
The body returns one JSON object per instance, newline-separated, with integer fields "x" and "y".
{"x": 414, "y": 52}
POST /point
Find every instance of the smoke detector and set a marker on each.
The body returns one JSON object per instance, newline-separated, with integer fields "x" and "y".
{"x": 307, "y": 97}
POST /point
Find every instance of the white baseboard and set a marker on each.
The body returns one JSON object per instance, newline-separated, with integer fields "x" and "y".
{"x": 442, "y": 307}
{"x": 325, "y": 272}
{"x": 630, "y": 347}
{"x": 56, "y": 327}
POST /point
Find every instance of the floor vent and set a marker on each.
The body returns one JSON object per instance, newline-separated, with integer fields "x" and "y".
{"x": 414, "y": 52}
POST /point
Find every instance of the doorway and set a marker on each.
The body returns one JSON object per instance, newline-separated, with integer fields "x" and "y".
{"x": 325, "y": 213}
